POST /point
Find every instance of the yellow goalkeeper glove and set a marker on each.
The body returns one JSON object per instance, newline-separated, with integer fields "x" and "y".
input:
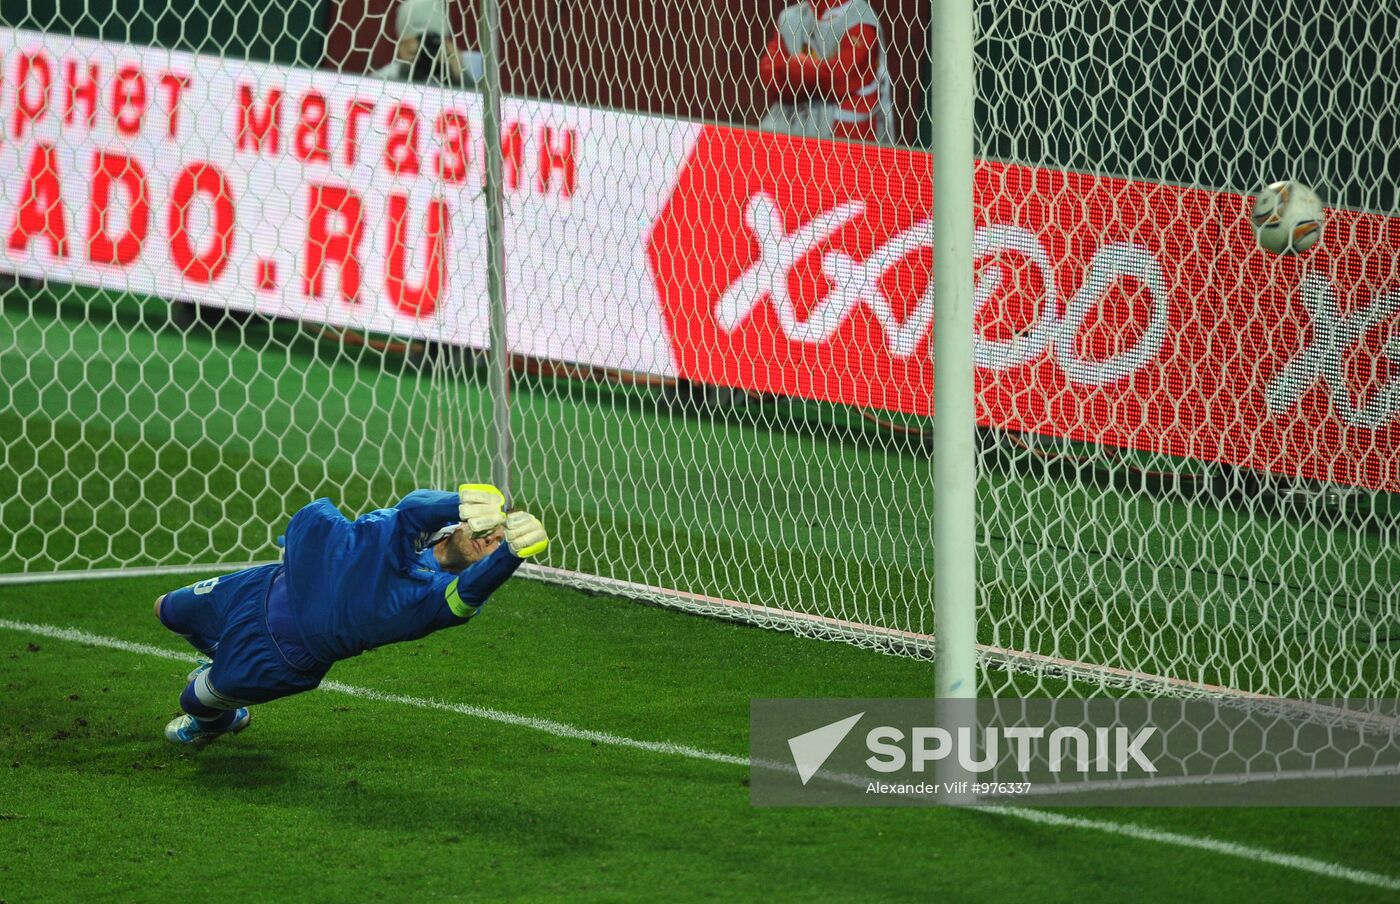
{"x": 481, "y": 507}
{"x": 525, "y": 534}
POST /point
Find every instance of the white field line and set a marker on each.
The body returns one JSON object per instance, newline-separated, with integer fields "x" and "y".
{"x": 1227, "y": 848}
{"x": 563, "y": 730}
{"x": 558, "y": 729}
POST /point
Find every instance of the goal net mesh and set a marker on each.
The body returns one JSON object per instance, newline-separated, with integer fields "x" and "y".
{"x": 248, "y": 248}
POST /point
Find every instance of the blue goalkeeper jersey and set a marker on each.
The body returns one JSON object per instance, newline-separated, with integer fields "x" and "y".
{"x": 356, "y": 585}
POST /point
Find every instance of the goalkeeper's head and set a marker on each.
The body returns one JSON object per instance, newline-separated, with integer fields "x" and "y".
{"x": 460, "y": 550}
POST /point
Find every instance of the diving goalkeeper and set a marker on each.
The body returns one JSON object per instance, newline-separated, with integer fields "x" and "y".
{"x": 342, "y": 587}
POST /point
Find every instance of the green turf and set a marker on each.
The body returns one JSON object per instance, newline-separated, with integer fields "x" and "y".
{"x": 129, "y": 439}
{"x": 332, "y": 798}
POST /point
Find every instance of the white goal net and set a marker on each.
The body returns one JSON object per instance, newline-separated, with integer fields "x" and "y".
{"x": 250, "y": 254}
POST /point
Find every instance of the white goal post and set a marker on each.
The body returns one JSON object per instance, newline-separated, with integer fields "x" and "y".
{"x": 950, "y": 109}
{"x": 668, "y": 271}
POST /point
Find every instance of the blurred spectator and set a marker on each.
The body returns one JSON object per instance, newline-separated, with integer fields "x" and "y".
{"x": 825, "y": 73}
{"x": 425, "y": 51}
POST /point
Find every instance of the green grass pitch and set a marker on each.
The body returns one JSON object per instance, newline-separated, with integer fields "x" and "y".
{"x": 127, "y": 440}
{"x": 328, "y": 797}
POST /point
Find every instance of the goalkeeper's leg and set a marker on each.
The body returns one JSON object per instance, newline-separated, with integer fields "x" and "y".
{"x": 228, "y": 617}
{"x": 251, "y": 668}
{"x": 208, "y": 714}
{"x": 200, "y": 614}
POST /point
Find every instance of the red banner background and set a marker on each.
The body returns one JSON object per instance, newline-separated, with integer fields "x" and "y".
{"x": 1236, "y": 327}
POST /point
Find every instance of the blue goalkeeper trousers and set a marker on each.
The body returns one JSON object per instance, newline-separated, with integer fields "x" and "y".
{"x": 242, "y": 621}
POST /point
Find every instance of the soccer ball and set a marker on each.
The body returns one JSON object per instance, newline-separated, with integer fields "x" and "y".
{"x": 1287, "y": 218}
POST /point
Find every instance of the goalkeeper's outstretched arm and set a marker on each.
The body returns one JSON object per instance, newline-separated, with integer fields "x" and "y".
{"x": 425, "y": 511}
